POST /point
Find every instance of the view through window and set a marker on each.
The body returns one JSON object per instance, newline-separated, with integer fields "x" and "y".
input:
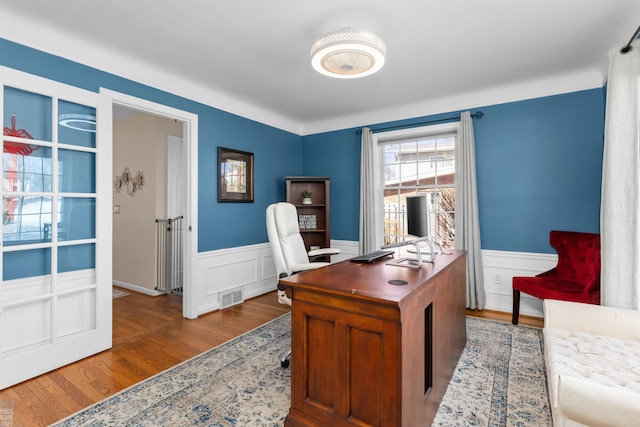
{"x": 424, "y": 164}
{"x": 27, "y": 217}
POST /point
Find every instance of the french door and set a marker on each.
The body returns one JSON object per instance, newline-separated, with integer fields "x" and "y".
{"x": 55, "y": 264}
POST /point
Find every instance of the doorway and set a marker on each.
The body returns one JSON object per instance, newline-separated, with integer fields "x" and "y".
{"x": 144, "y": 135}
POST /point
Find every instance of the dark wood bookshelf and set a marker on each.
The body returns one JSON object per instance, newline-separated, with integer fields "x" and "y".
{"x": 314, "y": 218}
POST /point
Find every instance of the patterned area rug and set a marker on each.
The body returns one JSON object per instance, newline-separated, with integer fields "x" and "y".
{"x": 239, "y": 383}
{"x": 500, "y": 381}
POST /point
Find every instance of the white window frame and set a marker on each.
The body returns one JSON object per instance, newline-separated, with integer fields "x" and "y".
{"x": 393, "y": 137}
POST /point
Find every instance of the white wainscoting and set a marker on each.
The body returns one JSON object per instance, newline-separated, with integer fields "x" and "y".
{"x": 251, "y": 269}
{"x": 501, "y": 266}
{"x": 348, "y": 249}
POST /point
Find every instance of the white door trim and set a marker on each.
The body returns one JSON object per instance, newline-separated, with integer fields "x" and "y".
{"x": 190, "y": 134}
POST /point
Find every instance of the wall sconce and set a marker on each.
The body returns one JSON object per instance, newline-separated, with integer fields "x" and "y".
{"x": 132, "y": 184}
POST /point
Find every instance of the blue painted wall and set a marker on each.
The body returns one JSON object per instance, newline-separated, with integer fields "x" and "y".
{"x": 539, "y": 167}
{"x": 221, "y": 225}
{"x": 337, "y": 155}
{"x": 538, "y": 161}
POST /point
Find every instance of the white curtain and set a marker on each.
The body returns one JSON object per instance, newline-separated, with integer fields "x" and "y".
{"x": 467, "y": 222}
{"x": 371, "y": 208}
{"x": 620, "y": 208}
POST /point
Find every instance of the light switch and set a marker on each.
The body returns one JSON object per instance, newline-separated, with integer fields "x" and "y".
{"x": 116, "y": 209}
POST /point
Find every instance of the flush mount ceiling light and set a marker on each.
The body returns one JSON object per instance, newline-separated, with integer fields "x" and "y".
{"x": 348, "y": 54}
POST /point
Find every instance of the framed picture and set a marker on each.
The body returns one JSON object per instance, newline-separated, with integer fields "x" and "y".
{"x": 235, "y": 175}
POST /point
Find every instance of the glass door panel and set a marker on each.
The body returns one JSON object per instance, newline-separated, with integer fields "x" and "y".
{"x": 76, "y": 124}
{"x": 20, "y": 264}
{"x": 76, "y": 257}
{"x": 77, "y": 218}
{"x": 27, "y": 220}
{"x": 27, "y": 114}
{"x": 30, "y": 172}
{"x": 76, "y": 171}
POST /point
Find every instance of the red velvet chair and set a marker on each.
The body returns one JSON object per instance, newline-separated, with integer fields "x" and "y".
{"x": 576, "y": 277}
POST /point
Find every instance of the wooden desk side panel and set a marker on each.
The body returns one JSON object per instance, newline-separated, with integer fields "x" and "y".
{"x": 373, "y": 349}
{"x": 446, "y": 294}
{"x": 350, "y": 372}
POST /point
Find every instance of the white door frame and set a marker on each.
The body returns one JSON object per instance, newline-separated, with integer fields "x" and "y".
{"x": 190, "y": 135}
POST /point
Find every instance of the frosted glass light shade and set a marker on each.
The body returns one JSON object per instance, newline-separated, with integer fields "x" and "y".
{"x": 348, "y": 53}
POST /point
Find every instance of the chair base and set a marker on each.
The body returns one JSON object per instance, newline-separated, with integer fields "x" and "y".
{"x": 285, "y": 360}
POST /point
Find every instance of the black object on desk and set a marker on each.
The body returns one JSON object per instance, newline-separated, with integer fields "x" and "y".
{"x": 371, "y": 256}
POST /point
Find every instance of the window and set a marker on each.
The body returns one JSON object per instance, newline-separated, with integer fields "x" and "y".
{"x": 420, "y": 161}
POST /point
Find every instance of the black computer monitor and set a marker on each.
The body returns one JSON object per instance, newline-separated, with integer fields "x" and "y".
{"x": 418, "y": 215}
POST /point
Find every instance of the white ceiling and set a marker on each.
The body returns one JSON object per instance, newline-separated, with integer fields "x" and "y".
{"x": 251, "y": 57}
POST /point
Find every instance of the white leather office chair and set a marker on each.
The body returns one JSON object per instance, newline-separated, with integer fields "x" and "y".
{"x": 289, "y": 253}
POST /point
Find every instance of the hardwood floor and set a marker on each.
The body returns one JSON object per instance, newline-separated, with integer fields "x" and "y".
{"x": 500, "y": 316}
{"x": 149, "y": 336}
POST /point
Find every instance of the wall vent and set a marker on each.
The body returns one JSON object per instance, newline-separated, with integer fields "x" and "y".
{"x": 230, "y": 298}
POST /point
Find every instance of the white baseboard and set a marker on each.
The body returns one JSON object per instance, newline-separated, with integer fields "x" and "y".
{"x": 136, "y": 288}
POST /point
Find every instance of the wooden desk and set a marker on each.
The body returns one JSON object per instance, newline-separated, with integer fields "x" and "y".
{"x": 369, "y": 353}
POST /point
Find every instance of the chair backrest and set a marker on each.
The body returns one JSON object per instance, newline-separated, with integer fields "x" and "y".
{"x": 285, "y": 239}
{"x": 578, "y": 257}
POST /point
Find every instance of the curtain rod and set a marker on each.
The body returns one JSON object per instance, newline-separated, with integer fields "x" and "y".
{"x": 476, "y": 115}
{"x": 628, "y": 47}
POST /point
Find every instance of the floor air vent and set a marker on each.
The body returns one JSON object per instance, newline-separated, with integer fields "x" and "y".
{"x": 227, "y": 299}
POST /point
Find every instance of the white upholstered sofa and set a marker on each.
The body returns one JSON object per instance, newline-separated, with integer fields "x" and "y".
{"x": 592, "y": 356}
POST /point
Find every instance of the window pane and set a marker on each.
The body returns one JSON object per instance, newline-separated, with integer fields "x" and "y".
{"x": 407, "y": 163}
{"x": 76, "y": 257}
{"x": 29, "y": 263}
{"x": 26, "y": 219}
{"x": 30, "y": 173}
{"x": 76, "y": 171}
{"x": 391, "y": 167}
{"x": 76, "y": 124}
{"x": 443, "y": 203}
{"x": 31, "y": 113}
{"x": 78, "y": 219}
{"x": 395, "y": 217}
